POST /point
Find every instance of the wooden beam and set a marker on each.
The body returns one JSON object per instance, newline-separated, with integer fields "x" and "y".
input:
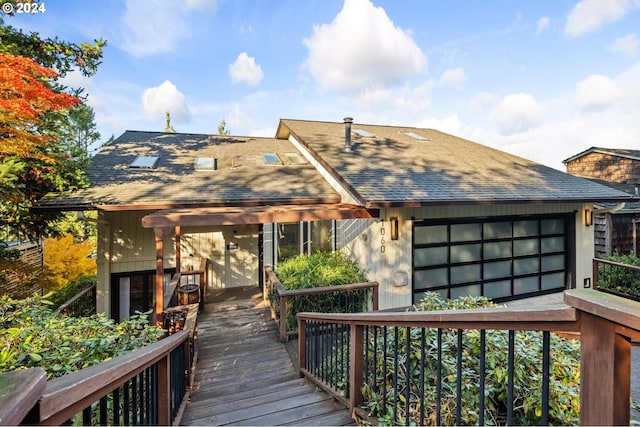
{"x": 255, "y": 215}
{"x": 159, "y": 233}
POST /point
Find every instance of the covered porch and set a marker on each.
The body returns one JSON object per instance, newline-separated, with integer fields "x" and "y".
{"x": 168, "y": 222}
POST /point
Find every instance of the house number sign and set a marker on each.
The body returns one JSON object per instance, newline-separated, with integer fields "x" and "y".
{"x": 382, "y": 241}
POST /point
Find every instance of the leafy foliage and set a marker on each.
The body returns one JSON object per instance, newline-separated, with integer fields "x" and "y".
{"x": 564, "y": 382}
{"x": 32, "y": 336}
{"x": 64, "y": 294}
{"x": 38, "y": 152}
{"x": 618, "y": 278}
{"x": 65, "y": 260}
{"x": 319, "y": 270}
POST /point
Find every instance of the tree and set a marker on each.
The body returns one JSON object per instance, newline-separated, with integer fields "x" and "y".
{"x": 222, "y": 128}
{"x": 78, "y": 131}
{"x": 35, "y": 156}
{"x": 65, "y": 261}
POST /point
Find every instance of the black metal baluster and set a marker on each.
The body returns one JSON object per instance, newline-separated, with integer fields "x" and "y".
{"x": 395, "y": 373}
{"x": 546, "y": 374}
{"x": 459, "y": 380}
{"x": 439, "y": 380}
{"x": 408, "y": 374}
{"x": 423, "y": 343}
{"x": 482, "y": 385}
{"x": 510, "y": 377}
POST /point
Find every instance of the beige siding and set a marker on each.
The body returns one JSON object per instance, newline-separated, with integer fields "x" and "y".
{"x": 127, "y": 246}
{"x": 367, "y": 246}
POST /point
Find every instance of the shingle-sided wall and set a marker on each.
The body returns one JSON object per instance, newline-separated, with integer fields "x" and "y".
{"x": 606, "y": 167}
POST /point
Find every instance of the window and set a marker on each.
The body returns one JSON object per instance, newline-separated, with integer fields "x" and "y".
{"x": 206, "y": 163}
{"x": 271, "y": 158}
{"x": 133, "y": 291}
{"x": 502, "y": 259}
{"x": 144, "y": 162}
{"x": 304, "y": 238}
{"x": 363, "y": 133}
{"x": 416, "y": 136}
{"x": 295, "y": 158}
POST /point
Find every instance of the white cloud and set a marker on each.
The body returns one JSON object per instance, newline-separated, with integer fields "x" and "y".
{"x": 596, "y": 92}
{"x": 151, "y": 27}
{"x": 543, "y": 24}
{"x": 517, "y": 112}
{"x": 590, "y": 15}
{"x": 245, "y": 69}
{"x": 627, "y": 45}
{"x": 362, "y": 47}
{"x": 450, "y": 124}
{"x": 483, "y": 101}
{"x": 453, "y": 77}
{"x": 156, "y": 101}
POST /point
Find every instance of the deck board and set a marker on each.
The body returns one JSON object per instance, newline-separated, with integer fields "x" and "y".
{"x": 245, "y": 376}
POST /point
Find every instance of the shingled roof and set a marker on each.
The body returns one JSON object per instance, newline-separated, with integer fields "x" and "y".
{"x": 175, "y": 182}
{"x": 617, "y": 152}
{"x": 405, "y": 166}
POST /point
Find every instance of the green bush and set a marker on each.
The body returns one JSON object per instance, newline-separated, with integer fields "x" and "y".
{"x": 31, "y": 335}
{"x": 619, "y": 279}
{"x": 318, "y": 270}
{"x": 63, "y": 295}
{"x": 564, "y": 383}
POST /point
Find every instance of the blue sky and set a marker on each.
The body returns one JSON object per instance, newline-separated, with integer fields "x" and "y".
{"x": 541, "y": 79}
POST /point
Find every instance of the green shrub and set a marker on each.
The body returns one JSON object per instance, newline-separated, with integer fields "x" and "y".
{"x": 31, "y": 335}
{"x": 564, "y": 383}
{"x": 620, "y": 279}
{"x": 318, "y": 270}
{"x": 63, "y": 295}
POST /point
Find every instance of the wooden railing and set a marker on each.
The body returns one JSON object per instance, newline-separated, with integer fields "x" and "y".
{"x": 173, "y": 295}
{"x": 82, "y": 304}
{"x": 148, "y": 386}
{"x": 336, "y": 352}
{"x": 625, "y": 277}
{"x": 345, "y": 299}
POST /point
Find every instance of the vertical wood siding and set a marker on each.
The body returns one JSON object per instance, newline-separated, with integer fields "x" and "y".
{"x": 363, "y": 241}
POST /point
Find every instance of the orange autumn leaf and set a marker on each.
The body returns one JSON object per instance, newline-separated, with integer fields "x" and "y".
{"x": 24, "y": 98}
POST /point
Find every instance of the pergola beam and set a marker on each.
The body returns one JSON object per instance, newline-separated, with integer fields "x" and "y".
{"x": 255, "y": 215}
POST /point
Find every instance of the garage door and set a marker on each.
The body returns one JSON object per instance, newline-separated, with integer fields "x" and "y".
{"x": 500, "y": 258}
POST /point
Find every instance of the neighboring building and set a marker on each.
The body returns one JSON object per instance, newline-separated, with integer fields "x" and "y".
{"x": 419, "y": 209}
{"x": 615, "y": 226}
{"x": 32, "y": 257}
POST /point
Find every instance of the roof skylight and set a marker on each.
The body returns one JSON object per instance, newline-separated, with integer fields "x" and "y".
{"x": 363, "y": 133}
{"x": 144, "y": 162}
{"x": 416, "y": 136}
{"x": 206, "y": 163}
{"x": 295, "y": 158}
{"x": 271, "y": 158}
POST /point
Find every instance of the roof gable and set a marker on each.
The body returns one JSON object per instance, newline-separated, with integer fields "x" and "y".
{"x": 395, "y": 168}
{"x": 616, "y": 152}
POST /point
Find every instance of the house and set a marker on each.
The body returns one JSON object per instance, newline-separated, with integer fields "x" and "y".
{"x": 615, "y": 225}
{"x": 419, "y": 209}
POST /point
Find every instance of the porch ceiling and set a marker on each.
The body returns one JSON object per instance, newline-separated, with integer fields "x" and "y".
{"x": 255, "y": 215}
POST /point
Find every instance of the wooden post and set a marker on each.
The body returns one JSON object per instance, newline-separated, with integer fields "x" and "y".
{"x": 302, "y": 345}
{"x": 356, "y": 366}
{"x": 283, "y": 319}
{"x": 164, "y": 391}
{"x": 159, "y": 233}
{"x": 374, "y": 296}
{"x": 178, "y": 251}
{"x": 605, "y": 372}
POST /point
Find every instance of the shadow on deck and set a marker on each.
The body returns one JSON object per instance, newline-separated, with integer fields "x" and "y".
{"x": 244, "y": 375}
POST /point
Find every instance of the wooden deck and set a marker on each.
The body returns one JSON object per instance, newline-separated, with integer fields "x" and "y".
{"x": 244, "y": 375}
